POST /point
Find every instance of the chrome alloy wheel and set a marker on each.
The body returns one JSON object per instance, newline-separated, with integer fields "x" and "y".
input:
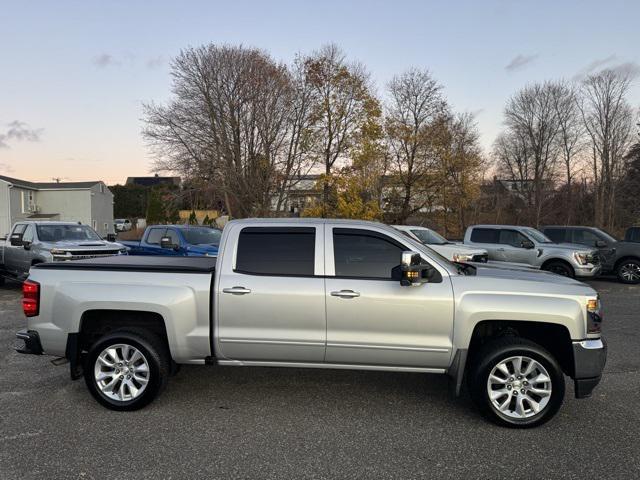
{"x": 630, "y": 272}
{"x": 519, "y": 387}
{"x": 121, "y": 372}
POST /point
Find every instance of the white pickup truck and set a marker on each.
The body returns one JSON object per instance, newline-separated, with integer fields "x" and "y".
{"x": 319, "y": 294}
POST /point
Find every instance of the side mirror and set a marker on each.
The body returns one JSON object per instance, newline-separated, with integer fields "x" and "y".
{"x": 601, "y": 244}
{"x": 26, "y": 245}
{"x": 165, "y": 242}
{"x": 528, "y": 244}
{"x": 111, "y": 237}
{"x": 16, "y": 240}
{"x": 412, "y": 269}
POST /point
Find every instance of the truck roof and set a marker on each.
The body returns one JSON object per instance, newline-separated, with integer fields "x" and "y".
{"x": 306, "y": 220}
{"x": 49, "y": 222}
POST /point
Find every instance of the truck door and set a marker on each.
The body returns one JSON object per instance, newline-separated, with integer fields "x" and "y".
{"x": 270, "y": 294}
{"x": 487, "y": 238}
{"x": 371, "y": 318}
{"x": 150, "y": 244}
{"x": 13, "y": 254}
{"x": 512, "y": 249}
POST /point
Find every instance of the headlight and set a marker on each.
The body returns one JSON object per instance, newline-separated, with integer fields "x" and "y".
{"x": 581, "y": 257}
{"x": 462, "y": 257}
{"x": 594, "y": 316}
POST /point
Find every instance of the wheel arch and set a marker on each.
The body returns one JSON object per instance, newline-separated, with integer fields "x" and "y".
{"x": 549, "y": 261}
{"x": 623, "y": 259}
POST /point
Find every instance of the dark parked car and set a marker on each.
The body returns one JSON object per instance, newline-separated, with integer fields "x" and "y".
{"x": 619, "y": 257}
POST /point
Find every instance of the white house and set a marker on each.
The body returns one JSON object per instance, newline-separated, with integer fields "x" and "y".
{"x": 90, "y": 203}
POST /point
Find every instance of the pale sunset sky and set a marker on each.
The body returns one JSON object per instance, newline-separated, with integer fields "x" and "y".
{"x": 74, "y": 74}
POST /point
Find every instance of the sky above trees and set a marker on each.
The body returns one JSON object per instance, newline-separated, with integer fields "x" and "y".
{"x": 74, "y": 75}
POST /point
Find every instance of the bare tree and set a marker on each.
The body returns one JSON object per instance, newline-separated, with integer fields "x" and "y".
{"x": 529, "y": 147}
{"x": 236, "y": 120}
{"x": 608, "y": 120}
{"x": 570, "y": 136}
{"x": 415, "y": 114}
{"x": 342, "y": 103}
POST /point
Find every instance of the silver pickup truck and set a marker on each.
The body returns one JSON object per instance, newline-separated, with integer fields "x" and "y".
{"x": 316, "y": 293}
{"x": 528, "y": 246}
{"x": 33, "y": 242}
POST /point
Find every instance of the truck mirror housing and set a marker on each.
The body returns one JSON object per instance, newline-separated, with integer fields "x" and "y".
{"x": 111, "y": 237}
{"x": 412, "y": 269}
{"x": 601, "y": 244}
{"x": 165, "y": 242}
{"x": 528, "y": 244}
{"x": 26, "y": 245}
{"x": 16, "y": 240}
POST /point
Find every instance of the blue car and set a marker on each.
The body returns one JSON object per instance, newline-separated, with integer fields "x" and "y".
{"x": 177, "y": 240}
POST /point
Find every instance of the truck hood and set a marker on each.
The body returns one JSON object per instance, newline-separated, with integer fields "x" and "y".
{"x": 567, "y": 246}
{"x": 82, "y": 245}
{"x": 527, "y": 275}
{"x": 202, "y": 249}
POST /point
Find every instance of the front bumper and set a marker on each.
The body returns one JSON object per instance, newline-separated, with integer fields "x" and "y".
{"x": 31, "y": 342}
{"x": 588, "y": 271}
{"x": 589, "y": 357}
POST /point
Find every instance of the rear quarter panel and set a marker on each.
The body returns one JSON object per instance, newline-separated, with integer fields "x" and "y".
{"x": 181, "y": 299}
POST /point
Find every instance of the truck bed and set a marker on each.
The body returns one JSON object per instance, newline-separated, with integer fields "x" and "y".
{"x": 138, "y": 264}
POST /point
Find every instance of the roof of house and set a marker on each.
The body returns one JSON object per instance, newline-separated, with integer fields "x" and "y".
{"x": 151, "y": 181}
{"x": 48, "y": 185}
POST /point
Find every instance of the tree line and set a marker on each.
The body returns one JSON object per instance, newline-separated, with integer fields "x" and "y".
{"x": 243, "y": 130}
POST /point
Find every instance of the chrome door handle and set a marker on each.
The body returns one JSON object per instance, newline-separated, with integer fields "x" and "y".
{"x": 345, "y": 294}
{"x": 236, "y": 290}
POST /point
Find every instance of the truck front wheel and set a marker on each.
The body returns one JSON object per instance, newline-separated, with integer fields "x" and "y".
{"x": 127, "y": 369}
{"x": 516, "y": 383}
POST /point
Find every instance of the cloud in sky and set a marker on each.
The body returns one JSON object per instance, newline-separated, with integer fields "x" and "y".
{"x": 105, "y": 60}
{"x": 155, "y": 62}
{"x": 520, "y": 61}
{"x": 19, "y": 131}
{"x": 632, "y": 69}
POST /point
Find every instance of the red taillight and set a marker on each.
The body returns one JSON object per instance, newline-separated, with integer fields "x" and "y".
{"x": 31, "y": 298}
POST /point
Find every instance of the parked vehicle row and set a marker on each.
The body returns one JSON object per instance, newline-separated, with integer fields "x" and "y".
{"x": 34, "y": 242}
{"x": 454, "y": 252}
{"x": 621, "y": 258}
{"x": 319, "y": 294}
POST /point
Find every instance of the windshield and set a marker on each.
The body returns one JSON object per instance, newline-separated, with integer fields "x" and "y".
{"x": 429, "y": 236}
{"x": 59, "y": 233}
{"x": 202, "y": 236}
{"x": 537, "y": 235}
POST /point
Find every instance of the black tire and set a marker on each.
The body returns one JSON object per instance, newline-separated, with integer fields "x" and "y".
{"x": 492, "y": 354}
{"x": 560, "y": 268}
{"x": 628, "y": 271}
{"x": 156, "y": 354}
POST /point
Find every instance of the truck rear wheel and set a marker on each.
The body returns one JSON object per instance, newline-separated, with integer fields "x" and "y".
{"x": 127, "y": 369}
{"x": 516, "y": 383}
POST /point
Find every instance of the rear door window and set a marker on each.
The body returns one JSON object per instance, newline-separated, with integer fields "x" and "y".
{"x": 276, "y": 251}
{"x": 485, "y": 235}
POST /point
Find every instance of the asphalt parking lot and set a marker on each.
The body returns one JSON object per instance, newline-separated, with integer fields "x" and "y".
{"x": 293, "y": 423}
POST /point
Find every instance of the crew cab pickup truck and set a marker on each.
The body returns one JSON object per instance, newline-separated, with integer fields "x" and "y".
{"x": 33, "y": 242}
{"x": 316, "y": 293}
{"x": 528, "y": 246}
{"x": 176, "y": 240}
{"x": 621, "y": 258}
